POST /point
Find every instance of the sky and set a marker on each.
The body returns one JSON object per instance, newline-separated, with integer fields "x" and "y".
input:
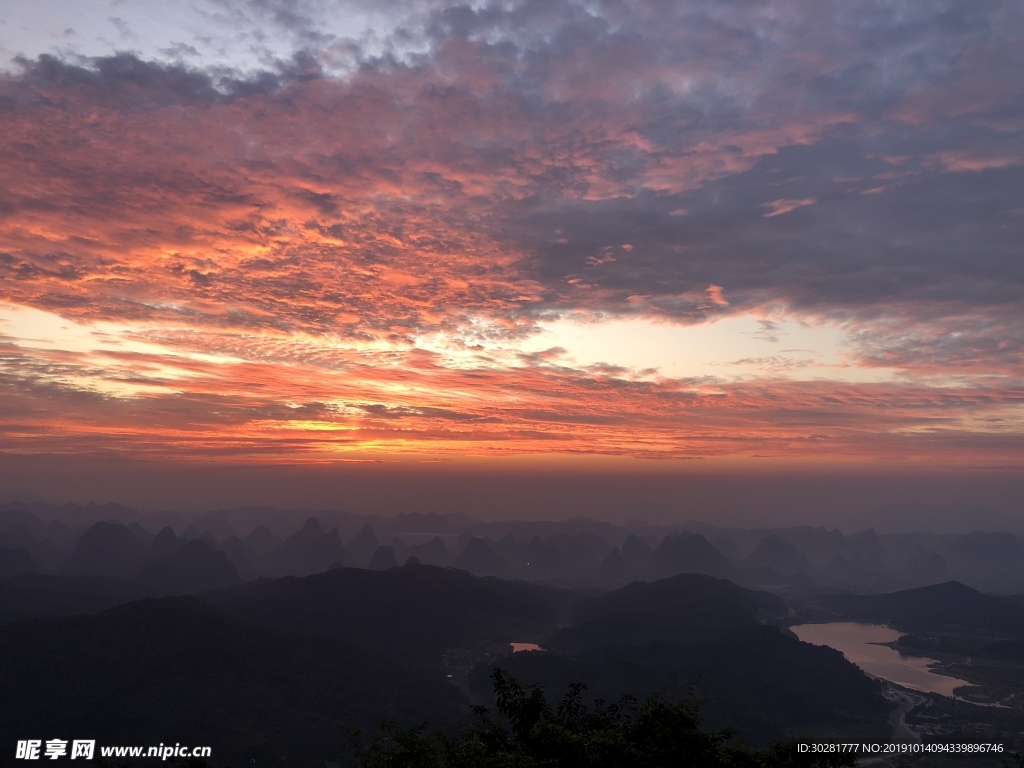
{"x": 732, "y": 236}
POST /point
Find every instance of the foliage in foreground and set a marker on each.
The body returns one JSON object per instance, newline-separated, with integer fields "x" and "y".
{"x": 662, "y": 732}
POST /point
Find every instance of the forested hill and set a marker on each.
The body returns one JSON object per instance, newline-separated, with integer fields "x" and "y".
{"x": 270, "y": 670}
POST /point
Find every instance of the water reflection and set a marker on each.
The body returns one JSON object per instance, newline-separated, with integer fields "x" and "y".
{"x": 517, "y": 647}
{"x": 859, "y": 644}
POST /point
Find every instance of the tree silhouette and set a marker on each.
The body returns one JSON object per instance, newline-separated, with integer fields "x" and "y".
{"x": 662, "y": 732}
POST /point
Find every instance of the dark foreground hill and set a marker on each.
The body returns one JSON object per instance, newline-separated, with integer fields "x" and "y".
{"x": 701, "y": 634}
{"x": 417, "y": 610}
{"x": 177, "y": 670}
{"x": 758, "y": 680}
{"x": 269, "y": 670}
{"x": 35, "y": 595}
{"x": 950, "y": 607}
{"x": 945, "y": 618}
{"x": 684, "y": 610}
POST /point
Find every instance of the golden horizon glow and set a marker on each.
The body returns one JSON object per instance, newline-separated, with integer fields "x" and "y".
{"x": 316, "y": 399}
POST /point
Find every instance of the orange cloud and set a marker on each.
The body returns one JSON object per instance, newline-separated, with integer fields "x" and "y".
{"x": 779, "y": 207}
{"x": 715, "y": 295}
{"x": 328, "y": 267}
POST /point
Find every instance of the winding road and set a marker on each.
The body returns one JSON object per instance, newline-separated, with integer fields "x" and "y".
{"x": 905, "y": 701}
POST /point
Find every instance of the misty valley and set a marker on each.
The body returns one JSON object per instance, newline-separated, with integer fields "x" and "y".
{"x": 267, "y": 633}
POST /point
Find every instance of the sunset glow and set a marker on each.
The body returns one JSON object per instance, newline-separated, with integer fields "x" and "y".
{"x": 553, "y": 229}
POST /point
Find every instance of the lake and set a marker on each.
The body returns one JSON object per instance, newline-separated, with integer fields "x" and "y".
{"x": 859, "y": 644}
{"x": 519, "y": 647}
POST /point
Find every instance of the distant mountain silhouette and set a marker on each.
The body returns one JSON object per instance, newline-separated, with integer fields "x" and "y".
{"x": 990, "y": 561}
{"x": 587, "y": 551}
{"x": 568, "y": 552}
{"x": 726, "y": 545}
{"x": 193, "y": 568}
{"x": 140, "y": 533}
{"x": 637, "y": 556}
{"x": 362, "y": 546}
{"x": 383, "y": 559}
{"x": 240, "y": 556}
{"x": 507, "y": 548}
{"x": 433, "y": 552}
{"x": 261, "y": 543}
{"x": 106, "y": 549}
{"x": 690, "y": 553}
{"x": 545, "y": 558}
{"x": 399, "y": 548}
{"x": 310, "y": 550}
{"x": 478, "y": 558}
{"x": 217, "y": 523}
{"x": 613, "y": 571}
{"x": 43, "y": 550}
{"x": 779, "y": 555}
{"x": 990, "y": 548}
{"x": 165, "y": 546}
{"x": 13, "y": 515}
{"x": 16, "y": 561}
{"x": 192, "y": 532}
{"x": 760, "y": 577}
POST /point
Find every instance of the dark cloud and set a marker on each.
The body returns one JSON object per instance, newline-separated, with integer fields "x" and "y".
{"x": 121, "y": 81}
